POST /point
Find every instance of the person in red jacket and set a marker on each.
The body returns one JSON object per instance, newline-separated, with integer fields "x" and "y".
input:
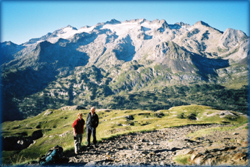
{"x": 78, "y": 130}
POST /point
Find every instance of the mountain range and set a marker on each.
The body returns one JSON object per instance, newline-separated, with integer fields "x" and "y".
{"x": 130, "y": 64}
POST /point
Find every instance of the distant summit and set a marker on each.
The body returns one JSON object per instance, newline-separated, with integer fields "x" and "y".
{"x": 202, "y": 23}
{"x": 113, "y": 21}
{"x": 73, "y": 28}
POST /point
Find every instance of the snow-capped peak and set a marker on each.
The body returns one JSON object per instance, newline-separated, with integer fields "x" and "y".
{"x": 69, "y": 26}
{"x": 201, "y": 23}
{"x": 7, "y": 43}
{"x": 63, "y": 33}
{"x": 113, "y": 21}
{"x": 64, "y": 30}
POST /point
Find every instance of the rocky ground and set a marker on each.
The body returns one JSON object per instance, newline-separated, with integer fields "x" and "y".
{"x": 164, "y": 147}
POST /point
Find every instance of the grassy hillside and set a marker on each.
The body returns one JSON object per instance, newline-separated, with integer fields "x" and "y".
{"x": 128, "y": 86}
{"x": 216, "y": 96}
{"x": 56, "y": 126}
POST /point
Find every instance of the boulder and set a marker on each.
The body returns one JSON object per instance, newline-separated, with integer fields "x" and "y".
{"x": 130, "y": 117}
{"x": 80, "y": 108}
{"x": 37, "y": 134}
{"x": 159, "y": 114}
{"x": 228, "y": 114}
{"x": 91, "y": 163}
{"x": 16, "y": 143}
{"x": 48, "y": 112}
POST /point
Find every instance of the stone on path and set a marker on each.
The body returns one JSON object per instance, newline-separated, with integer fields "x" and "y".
{"x": 161, "y": 146}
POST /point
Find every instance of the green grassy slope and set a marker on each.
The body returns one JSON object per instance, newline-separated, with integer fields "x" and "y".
{"x": 57, "y": 126}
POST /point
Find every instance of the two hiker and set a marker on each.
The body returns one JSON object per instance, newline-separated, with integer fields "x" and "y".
{"x": 78, "y": 128}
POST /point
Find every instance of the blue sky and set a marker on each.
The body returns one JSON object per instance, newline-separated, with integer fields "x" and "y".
{"x": 23, "y": 20}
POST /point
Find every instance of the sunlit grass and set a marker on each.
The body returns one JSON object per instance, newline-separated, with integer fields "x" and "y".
{"x": 57, "y": 127}
{"x": 183, "y": 159}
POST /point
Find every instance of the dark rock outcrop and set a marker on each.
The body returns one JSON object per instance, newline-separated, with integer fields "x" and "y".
{"x": 20, "y": 142}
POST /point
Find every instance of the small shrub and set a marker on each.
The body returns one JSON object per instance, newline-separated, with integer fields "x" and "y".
{"x": 181, "y": 116}
{"x": 159, "y": 115}
{"x": 183, "y": 159}
{"x": 131, "y": 123}
{"x": 192, "y": 116}
{"x": 231, "y": 117}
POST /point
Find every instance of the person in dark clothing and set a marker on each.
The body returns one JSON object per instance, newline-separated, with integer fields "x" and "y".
{"x": 92, "y": 123}
{"x": 78, "y": 130}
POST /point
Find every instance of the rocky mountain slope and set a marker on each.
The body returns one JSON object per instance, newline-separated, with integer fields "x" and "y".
{"x": 92, "y": 65}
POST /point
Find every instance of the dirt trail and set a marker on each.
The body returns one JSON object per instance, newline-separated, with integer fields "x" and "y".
{"x": 159, "y": 147}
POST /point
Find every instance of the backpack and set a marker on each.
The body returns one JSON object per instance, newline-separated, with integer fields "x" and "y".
{"x": 54, "y": 155}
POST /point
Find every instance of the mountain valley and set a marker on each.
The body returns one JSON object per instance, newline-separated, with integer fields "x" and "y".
{"x": 132, "y": 64}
